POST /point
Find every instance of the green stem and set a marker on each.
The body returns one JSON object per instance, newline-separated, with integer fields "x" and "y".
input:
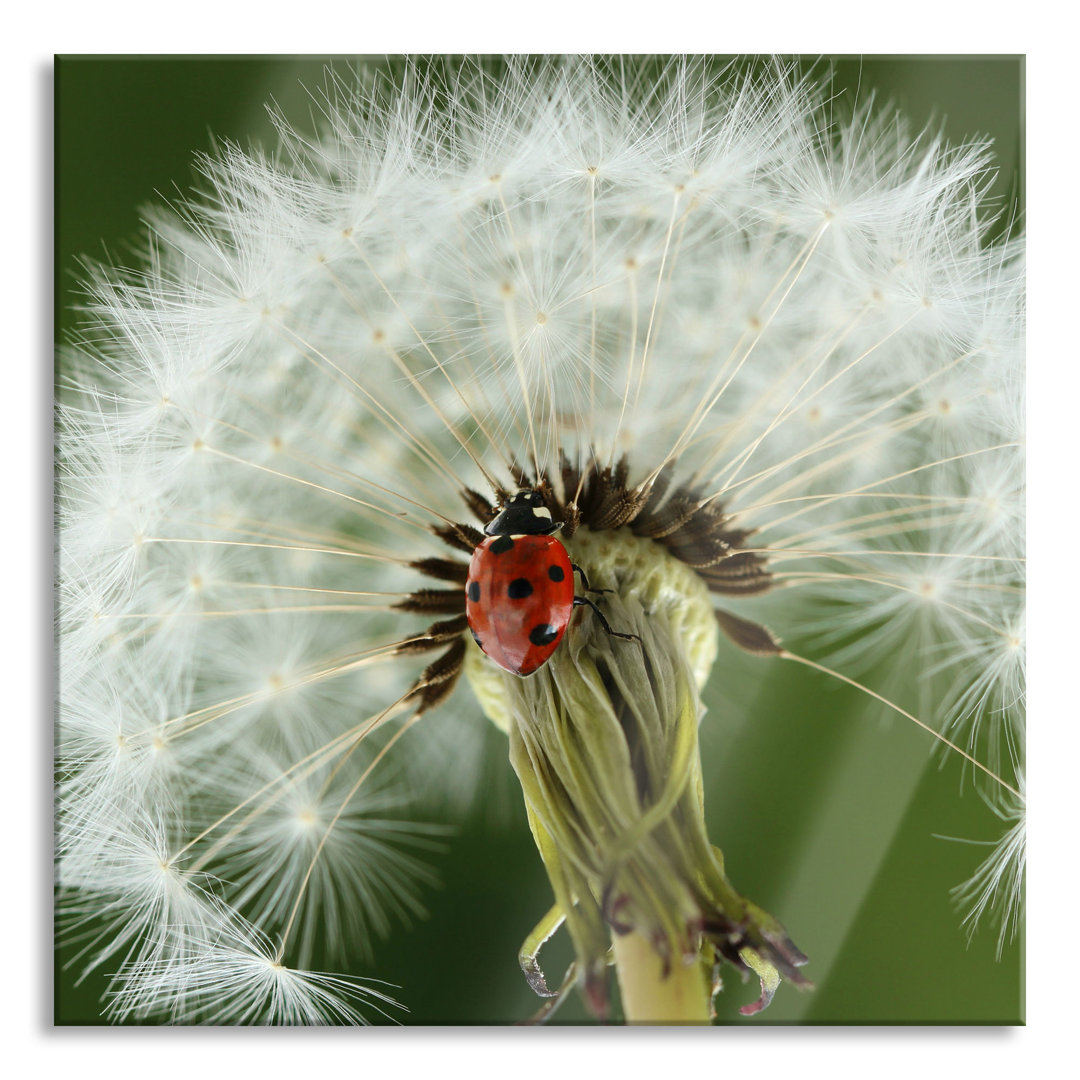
{"x": 650, "y": 997}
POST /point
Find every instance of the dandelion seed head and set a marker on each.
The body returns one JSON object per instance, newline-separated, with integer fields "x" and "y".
{"x": 334, "y": 352}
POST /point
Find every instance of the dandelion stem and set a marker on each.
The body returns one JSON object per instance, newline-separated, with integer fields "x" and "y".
{"x": 649, "y": 996}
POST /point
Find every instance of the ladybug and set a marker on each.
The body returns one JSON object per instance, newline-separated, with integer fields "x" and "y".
{"x": 519, "y": 594}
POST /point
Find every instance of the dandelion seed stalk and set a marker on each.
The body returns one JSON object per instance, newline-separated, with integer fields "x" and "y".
{"x": 604, "y": 741}
{"x": 653, "y": 994}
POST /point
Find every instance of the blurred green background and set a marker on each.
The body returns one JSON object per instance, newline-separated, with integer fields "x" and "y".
{"x": 832, "y": 815}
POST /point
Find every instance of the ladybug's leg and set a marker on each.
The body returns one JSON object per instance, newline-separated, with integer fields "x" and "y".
{"x": 585, "y": 581}
{"x": 580, "y": 601}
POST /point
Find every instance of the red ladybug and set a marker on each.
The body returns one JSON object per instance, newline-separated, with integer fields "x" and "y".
{"x": 519, "y": 594}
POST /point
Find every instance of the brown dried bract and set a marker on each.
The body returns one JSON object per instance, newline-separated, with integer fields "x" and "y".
{"x": 693, "y": 529}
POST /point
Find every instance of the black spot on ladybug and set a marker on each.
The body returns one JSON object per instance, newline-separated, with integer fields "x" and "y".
{"x": 543, "y": 634}
{"x": 473, "y": 591}
{"x": 504, "y": 543}
{"x": 556, "y": 573}
{"x": 519, "y": 588}
{"x": 476, "y": 637}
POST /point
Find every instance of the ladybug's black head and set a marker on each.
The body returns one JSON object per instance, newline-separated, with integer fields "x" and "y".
{"x": 524, "y": 513}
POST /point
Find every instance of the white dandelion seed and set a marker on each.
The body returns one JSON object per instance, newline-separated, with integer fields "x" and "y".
{"x": 469, "y": 282}
{"x": 237, "y": 978}
{"x": 998, "y": 883}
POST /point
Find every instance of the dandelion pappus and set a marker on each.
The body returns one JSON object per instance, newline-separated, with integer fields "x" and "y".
{"x": 519, "y": 594}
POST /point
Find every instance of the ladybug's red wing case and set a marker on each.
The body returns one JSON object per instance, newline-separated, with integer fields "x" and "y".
{"x": 519, "y": 597}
